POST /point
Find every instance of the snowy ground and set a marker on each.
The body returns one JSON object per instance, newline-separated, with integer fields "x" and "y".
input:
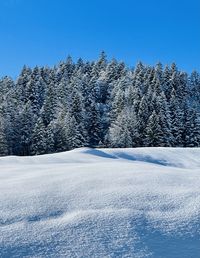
{"x": 141, "y": 202}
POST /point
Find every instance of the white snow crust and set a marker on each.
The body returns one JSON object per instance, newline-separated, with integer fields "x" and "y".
{"x": 142, "y": 202}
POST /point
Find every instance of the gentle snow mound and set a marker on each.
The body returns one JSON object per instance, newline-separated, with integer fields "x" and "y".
{"x": 142, "y": 202}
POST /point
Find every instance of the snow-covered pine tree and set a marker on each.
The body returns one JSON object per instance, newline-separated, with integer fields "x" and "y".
{"x": 74, "y": 136}
{"x": 3, "y": 140}
{"x": 49, "y": 109}
{"x": 26, "y": 124}
{"x": 177, "y": 121}
{"x": 153, "y": 131}
{"x": 123, "y": 132}
{"x": 119, "y": 135}
{"x": 39, "y": 138}
{"x": 143, "y": 116}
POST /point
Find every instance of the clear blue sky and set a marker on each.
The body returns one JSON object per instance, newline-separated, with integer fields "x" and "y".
{"x": 43, "y": 32}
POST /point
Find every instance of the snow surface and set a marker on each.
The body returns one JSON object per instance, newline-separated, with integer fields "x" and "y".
{"x": 142, "y": 202}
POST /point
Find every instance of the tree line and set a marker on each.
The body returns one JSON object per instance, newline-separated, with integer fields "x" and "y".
{"x": 98, "y": 104}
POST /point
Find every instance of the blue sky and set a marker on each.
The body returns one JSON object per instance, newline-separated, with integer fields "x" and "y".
{"x": 43, "y": 32}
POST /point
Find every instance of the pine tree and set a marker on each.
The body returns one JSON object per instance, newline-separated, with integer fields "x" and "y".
{"x": 193, "y": 137}
{"x": 32, "y": 95}
{"x": 177, "y": 121}
{"x": 25, "y": 130}
{"x": 93, "y": 124}
{"x": 73, "y": 134}
{"x": 50, "y": 142}
{"x": 21, "y": 84}
{"x": 77, "y": 110}
{"x": 142, "y": 116}
{"x": 153, "y": 131}
{"x": 60, "y": 134}
{"x": 39, "y": 142}
{"x": 3, "y": 140}
{"x": 191, "y": 132}
{"x": 119, "y": 134}
{"x": 194, "y": 89}
{"x": 49, "y": 110}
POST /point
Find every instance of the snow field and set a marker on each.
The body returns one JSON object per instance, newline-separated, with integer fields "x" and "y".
{"x": 142, "y": 202}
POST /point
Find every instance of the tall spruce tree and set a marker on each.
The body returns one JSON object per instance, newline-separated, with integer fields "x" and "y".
{"x": 3, "y": 140}
{"x": 39, "y": 135}
{"x": 153, "y": 132}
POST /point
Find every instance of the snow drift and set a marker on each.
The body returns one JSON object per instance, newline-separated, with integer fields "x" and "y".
{"x": 142, "y": 202}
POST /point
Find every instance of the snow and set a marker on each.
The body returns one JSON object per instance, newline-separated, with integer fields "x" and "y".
{"x": 142, "y": 202}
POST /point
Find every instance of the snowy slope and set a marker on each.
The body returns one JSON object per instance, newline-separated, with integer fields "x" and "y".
{"x": 142, "y": 202}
